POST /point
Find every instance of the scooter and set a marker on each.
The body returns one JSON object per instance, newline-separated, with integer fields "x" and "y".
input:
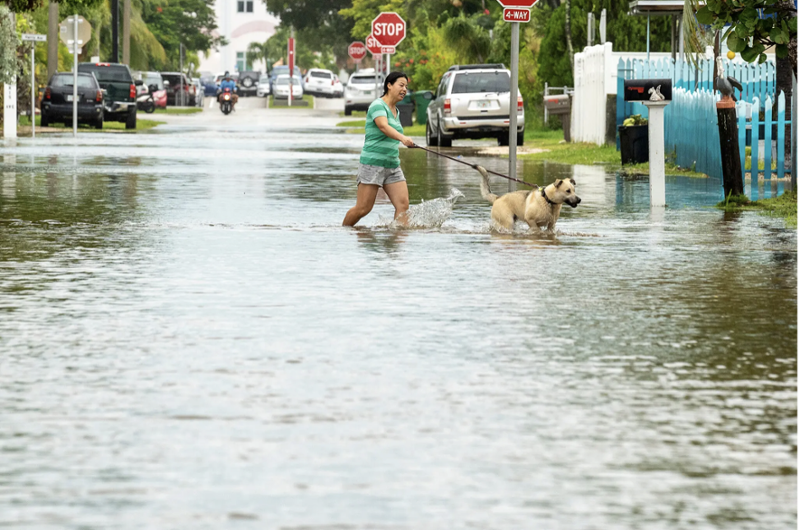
{"x": 145, "y": 102}
{"x": 226, "y": 101}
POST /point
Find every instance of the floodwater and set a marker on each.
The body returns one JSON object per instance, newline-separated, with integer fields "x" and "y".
{"x": 190, "y": 340}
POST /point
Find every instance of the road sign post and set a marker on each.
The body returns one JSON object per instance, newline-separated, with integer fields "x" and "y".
{"x": 389, "y": 29}
{"x": 514, "y": 11}
{"x": 374, "y": 48}
{"x": 291, "y": 66}
{"x": 74, "y": 31}
{"x": 34, "y": 38}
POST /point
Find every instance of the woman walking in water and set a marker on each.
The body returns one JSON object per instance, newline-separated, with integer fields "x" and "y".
{"x": 379, "y": 165}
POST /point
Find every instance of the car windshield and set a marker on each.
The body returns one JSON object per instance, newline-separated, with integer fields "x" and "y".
{"x": 322, "y": 75}
{"x": 263, "y": 79}
{"x": 471, "y": 82}
{"x": 284, "y": 80}
{"x": 362, "y": 80}
{"x": 84, "y": 81}
{"x": 108, "y": 73}
{"x": 156, "y": 80}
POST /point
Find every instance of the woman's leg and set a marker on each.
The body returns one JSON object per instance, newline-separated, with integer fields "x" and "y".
{"x": 365, "y": 200}
{"x": 398, "y": 194}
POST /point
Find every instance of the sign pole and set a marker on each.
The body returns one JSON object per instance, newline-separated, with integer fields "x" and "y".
{"x": 75, "y": 76}
{"x": 512, "y": 106}
{"x": 291, "y": 67}
{"x": 375, "y": 60}
{"x": 33, "y": 93}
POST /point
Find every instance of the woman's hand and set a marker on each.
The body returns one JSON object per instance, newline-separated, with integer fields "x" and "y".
{"x": 406, "y": 141}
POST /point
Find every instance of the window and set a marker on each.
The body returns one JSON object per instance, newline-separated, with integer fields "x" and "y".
{"x": 249, "y": 4}
{"x": 240, "y": 60}
{"x": 243, "y": 6}
{"x": 470, "y": 83}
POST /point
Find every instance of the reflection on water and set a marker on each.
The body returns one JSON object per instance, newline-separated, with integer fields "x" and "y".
{"x": 191, "y": 340}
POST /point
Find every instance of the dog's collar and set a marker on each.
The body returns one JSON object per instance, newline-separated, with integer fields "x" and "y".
{"x": 546, "y": 198}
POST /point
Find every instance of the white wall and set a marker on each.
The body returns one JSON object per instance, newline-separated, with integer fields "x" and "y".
{"x": 239, "y": 29}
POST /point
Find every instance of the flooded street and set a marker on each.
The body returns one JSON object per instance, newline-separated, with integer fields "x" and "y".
{"x": 190, "y": 339}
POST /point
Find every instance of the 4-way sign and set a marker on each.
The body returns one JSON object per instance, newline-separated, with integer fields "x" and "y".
{"x": 389, "y": 29}
{"x": 517, "y": 10}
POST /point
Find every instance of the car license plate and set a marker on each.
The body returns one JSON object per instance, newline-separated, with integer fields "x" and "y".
{"x": 483, "y": 104}
{"x": 69, "y": 97}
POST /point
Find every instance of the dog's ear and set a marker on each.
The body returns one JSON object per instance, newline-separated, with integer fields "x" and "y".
{"x": 558, "y": 183}
{"x": 573, "y": 182}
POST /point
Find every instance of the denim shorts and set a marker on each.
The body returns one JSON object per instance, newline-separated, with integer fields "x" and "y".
{"x": 379, "y": 176}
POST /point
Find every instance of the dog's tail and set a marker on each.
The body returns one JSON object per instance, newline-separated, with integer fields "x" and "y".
{"x": 486, "y": 192}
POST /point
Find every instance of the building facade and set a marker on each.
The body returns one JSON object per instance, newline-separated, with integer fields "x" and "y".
{"x": 240, "y": 22}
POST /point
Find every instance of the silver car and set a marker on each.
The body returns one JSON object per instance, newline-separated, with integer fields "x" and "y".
{"x": 263, "y": 86}
{"x": 280, "y": 89}
{"x": 360, "y": 91}
{"x": 472, "y": 101}
{"x": 319, "y": 82}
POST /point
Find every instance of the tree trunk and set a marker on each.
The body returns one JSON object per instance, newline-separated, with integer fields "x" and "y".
{"x": 52, "y": 39}
{"x": 568, "y": 32}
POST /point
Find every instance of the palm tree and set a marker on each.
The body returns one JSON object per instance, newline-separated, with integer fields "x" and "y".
{"x": 257, "y": 51}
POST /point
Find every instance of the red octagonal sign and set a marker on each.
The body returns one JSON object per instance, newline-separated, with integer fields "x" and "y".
{"x": 357, "y": 50}
{"x": 517, "y": 3}
{"x": 389, "y": 29}
{"x": 373, "y": 45}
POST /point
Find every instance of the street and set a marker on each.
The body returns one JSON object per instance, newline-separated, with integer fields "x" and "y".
{"x": 191, "y": 340}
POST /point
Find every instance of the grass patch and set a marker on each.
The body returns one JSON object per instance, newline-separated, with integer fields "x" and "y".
{"x": 784, "y": 206}
{"x": 357, "y": 127}
{"x": 177, "y": 110}
{"x": 141, "y": 125}
{"x": 669, "y": 169}
{"x": 306, "y": 97}
{"x": 568, "y": 153}
{"x": 356, "y": 113}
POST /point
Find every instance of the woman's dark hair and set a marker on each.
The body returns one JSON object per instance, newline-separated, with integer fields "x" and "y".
{"x": 392, "y": 79}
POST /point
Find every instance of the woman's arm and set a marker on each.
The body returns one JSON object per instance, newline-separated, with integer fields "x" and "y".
{"x": 382, "y": 123}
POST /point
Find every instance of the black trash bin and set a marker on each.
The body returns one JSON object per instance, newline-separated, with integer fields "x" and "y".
{"x": 633, "y": 144}
{"x": 406, "y": 111}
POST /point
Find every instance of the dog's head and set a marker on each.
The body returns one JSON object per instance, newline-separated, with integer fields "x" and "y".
{"x": 563, "y": 191}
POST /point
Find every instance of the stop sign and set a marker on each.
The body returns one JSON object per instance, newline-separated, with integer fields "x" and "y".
{"x": 373, "y": 45}
{"x": 389, "y": 29}
{"x": 517, "y": 3}
{"x": 357, "y": 50}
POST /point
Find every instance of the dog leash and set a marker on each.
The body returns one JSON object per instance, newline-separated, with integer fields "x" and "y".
{"x": 474, "y": 166}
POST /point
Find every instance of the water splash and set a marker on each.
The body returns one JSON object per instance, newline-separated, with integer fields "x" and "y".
{"x": 428, "y": 214}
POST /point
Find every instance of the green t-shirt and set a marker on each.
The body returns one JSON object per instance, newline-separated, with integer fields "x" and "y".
{"x": 379, "y": 149}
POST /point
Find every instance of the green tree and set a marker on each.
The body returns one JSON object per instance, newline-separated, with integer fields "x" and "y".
{"x": 754, "y": 26}
{"x": 176, "y": 22}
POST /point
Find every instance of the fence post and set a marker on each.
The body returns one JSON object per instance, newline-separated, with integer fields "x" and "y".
{"x": 781, "y": 133}
{"x": 768, "y": 139}
{"x": 754, "y": 138}
{"x": 741, "y": 113}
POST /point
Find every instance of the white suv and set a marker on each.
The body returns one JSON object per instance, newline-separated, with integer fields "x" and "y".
{"x": 360, "y": 90}
{"x": 319, "y": 82}
{"x": 472, "y": 101}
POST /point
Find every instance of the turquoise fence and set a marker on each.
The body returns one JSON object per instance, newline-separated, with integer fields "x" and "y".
{"x": 758, "y": 80}
{"x": 692, "y": 133}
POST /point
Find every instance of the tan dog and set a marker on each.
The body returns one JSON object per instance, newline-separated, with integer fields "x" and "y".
{"x": 539, "y": 207}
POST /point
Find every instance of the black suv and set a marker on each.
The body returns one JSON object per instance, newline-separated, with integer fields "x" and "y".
{"x": 120, "y": 91}
{"x": 248, "y": 82}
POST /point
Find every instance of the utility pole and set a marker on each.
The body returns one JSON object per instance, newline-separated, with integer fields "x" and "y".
{"x": 114, "y": 31}
{"x": 52, "y": 39}
{"x": 126, "y": 32}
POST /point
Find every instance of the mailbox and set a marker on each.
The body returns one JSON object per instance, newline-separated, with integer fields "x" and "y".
{"x": 556, "y": 105}
{"x": 648, "y": 89}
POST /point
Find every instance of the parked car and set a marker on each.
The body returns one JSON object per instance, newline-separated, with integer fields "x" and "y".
{"x": 154, "y": 83}
{"x": 280, "y": 90}
{"x": 360, "y": 90}
{"x": 472, "y": 101}
{"x": 338, "y": 88}
{"x": 220, "y": 77}
{"x": 199, "y": 92}
{"x": 119, "y": 99}
{"x": 319, "y": 82}
{"x": 177, "y": 81}
{"x": 209, "y": 85}
{"x": 57, "y": 100}
{"x": 247, "y": 84}
{"x": 263, "y": 86}
{"x": 283, "y": 70}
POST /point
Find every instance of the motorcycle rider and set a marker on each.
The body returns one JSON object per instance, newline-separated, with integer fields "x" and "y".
{"x": 227, "y": 82}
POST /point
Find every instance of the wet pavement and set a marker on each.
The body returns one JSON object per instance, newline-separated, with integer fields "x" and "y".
{"x": 190, "y": 340}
